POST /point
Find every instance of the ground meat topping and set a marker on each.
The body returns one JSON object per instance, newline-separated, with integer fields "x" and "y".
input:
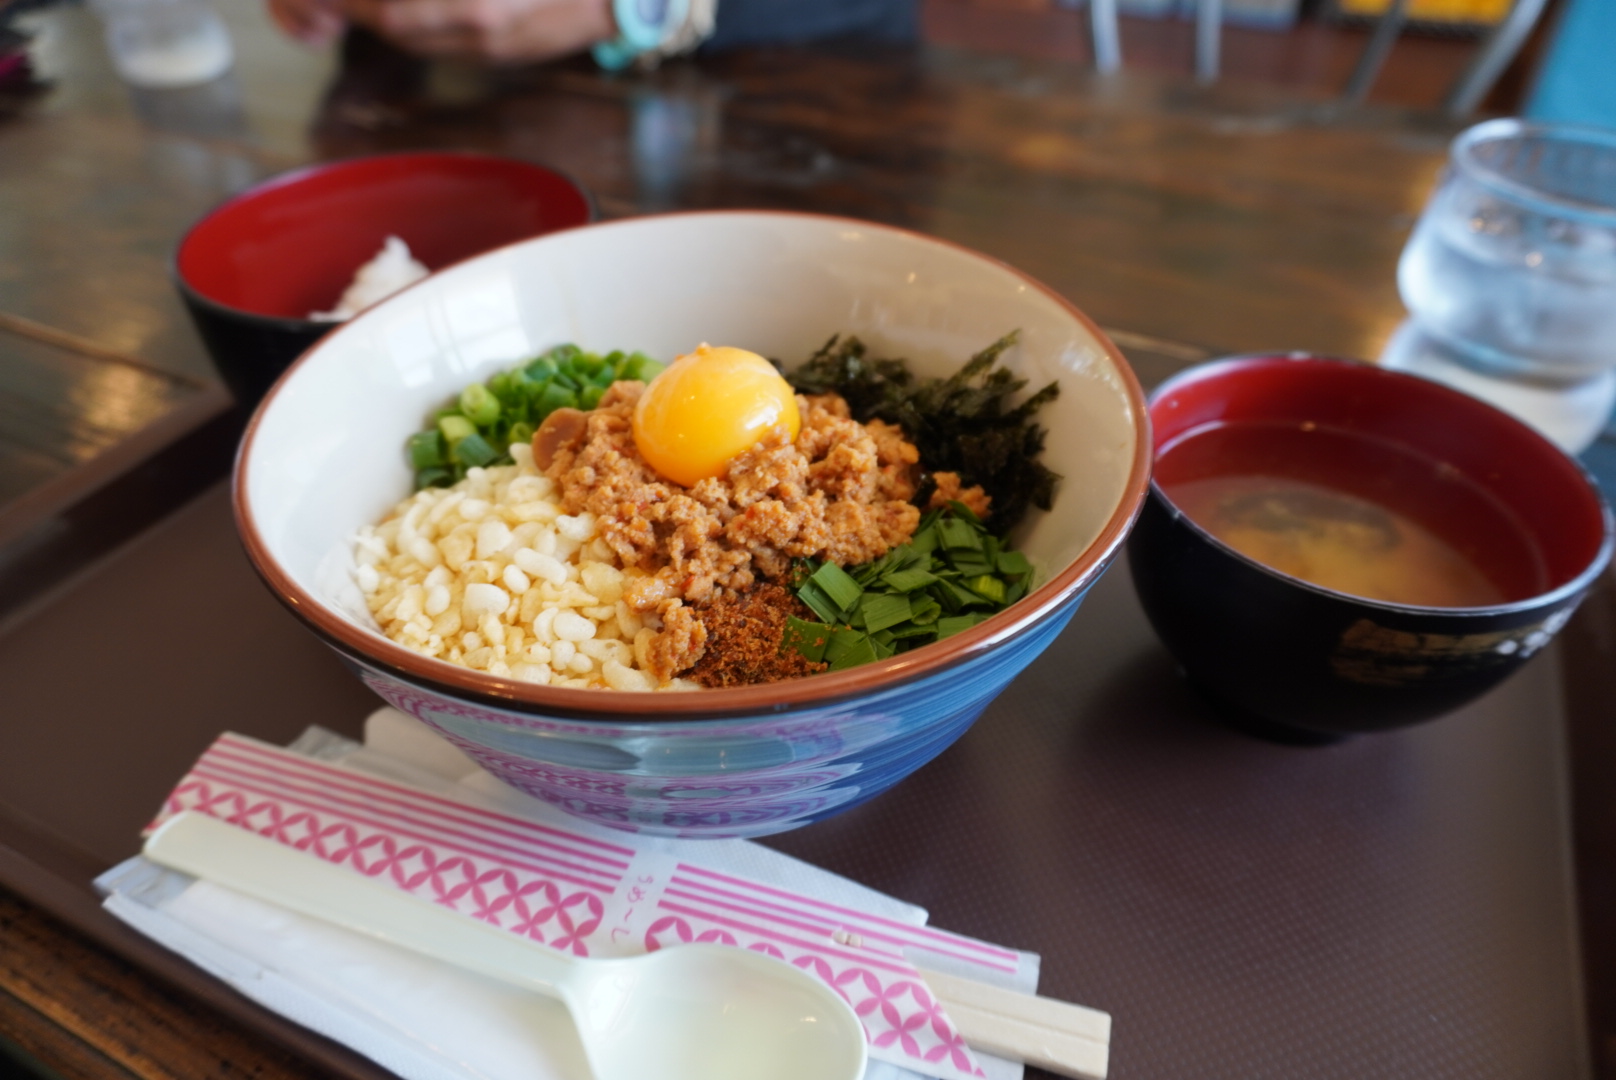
{"x": 698, "y": 557}
{"x": 948, "y": 490}
{"x": 839, "y": 492}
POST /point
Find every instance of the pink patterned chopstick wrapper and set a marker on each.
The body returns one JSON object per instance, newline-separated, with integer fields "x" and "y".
{"x": 583, "y": 895}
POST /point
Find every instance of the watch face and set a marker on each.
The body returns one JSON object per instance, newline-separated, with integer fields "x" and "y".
{"x": 652, "y": 12}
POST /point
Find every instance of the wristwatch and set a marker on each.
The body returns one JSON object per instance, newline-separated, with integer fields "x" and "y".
{"x": 642, "y": 27}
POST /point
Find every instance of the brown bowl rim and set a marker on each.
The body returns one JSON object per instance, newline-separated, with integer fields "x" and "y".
{"x": 821, "y": 690}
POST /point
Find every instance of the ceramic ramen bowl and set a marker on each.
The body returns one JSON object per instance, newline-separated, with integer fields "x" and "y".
{"x": 253, "y": 269}
{"x": 324, "y": 455}
{"x": 1331, "y": 548}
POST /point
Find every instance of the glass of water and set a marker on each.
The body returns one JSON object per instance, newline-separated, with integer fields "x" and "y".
{"x": 1513, "y": 263}
{"x": 165, "y": 43}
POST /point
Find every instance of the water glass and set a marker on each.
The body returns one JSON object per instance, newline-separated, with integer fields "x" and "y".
{"x": 1513, "y": 263}
{"x": 165, "y": 43}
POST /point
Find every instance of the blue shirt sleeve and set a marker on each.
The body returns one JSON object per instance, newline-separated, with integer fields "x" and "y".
{"x": 794, "y": 22}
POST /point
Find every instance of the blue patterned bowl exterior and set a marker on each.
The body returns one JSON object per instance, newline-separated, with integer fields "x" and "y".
{"x": 724, "y": 778}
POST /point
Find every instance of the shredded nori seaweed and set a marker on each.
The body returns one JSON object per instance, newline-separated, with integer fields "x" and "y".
{"x": 960, "y": 424}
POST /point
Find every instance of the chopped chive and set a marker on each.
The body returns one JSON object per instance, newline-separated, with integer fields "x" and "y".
{"x": 881, "y": 610}
{"x": 961, "y": 596}
{"x": 812, "y": 595}
{"x": 924, "y": 610}
{"x": 859, "y": 650}
{"x": 959, "y": 535}
{"x": 842, "y": 641}
{"x": 1013, "y": 562}
{"x": 842, "y": 590}
{"x": 908, "y": 580}
{"x": 950, "y": 625}
{"x": 807, "y": 638}
{"x": 989, "y": 586}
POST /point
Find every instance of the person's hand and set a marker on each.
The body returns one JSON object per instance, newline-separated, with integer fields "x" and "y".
{"x": 491, "y": 30}
{"x": 313, "y": 22}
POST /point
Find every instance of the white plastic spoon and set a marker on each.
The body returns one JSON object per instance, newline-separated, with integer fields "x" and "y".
{"x": 692, "y": 1012}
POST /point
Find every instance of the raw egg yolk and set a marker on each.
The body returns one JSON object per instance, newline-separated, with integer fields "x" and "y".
{"x": 707, "y": 407}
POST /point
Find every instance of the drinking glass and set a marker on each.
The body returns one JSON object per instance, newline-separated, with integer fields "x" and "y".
{"x": 1513, "y": 263}
{"x": 165, "y": 43}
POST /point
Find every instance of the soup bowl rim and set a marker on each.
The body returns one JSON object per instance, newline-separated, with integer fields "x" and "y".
{"x": 1570, "y": 589}
{"x": 273, "y": 185}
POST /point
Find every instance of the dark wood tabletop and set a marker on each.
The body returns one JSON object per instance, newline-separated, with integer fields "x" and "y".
{"x": 1404, "y": 906}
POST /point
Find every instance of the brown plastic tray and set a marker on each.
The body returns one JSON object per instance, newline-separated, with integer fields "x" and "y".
{"x": 1403, "y": 905}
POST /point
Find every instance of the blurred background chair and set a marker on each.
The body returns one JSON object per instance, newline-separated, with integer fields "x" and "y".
{"x": 1497, "y": 50}
{"x": 1419, "y": 53}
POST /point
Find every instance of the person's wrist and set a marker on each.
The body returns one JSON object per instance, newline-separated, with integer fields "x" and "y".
{"x": 642, "y": 27}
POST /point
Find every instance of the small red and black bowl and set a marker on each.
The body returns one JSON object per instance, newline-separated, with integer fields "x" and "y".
{"x": 1339, "y": 460}
{"x": 253, "y": 270}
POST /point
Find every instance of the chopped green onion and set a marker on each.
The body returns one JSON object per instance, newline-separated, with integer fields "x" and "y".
{"x": 473, "y": 450}
{"x": 556, "y": 396}
{"x": 455, "y": 428}
{"x": 511, "y": 404}
{"x": 479, "y": 404}
{"x": 427, "y": 449}
{"x": 433, "y": 477}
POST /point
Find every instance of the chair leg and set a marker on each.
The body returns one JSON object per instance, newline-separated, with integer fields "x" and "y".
{"x": 1103, "y": 31}
{"x": 1387, "y": 27}
{"x": 1489, "y": 63}
{"x": 1208, "y": 38}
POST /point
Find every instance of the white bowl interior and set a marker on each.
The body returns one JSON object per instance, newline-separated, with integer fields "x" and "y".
{"x": 327, "y": 455}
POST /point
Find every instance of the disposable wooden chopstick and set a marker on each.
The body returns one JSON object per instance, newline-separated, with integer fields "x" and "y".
{"x": 1055, "y": 1035}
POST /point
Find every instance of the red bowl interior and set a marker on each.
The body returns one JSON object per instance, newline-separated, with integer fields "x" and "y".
{"x": 291, "y": 245}
{"x": 1546, "y": 494}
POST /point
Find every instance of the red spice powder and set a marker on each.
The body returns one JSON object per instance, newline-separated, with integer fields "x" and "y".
{"x": 744, "y": 632}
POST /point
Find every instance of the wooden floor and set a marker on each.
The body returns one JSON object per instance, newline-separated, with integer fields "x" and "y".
{"x": 1315, "y": 57}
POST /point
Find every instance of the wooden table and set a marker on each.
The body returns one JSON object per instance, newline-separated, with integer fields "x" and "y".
{"x": 1188, "y": 222}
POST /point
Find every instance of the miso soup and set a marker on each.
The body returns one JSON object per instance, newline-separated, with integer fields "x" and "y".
{"x": 1353, "y": 514}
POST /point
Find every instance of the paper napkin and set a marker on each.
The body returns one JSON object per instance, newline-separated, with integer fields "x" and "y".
{"x": 408, "y": 808}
